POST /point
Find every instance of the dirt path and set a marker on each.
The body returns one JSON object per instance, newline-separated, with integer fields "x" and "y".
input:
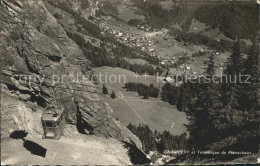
{"x": 146, "y": 101}
{"x": 135, "y": 111}
{"x": 66, "y": 151}
{"x": 73, "y": 148}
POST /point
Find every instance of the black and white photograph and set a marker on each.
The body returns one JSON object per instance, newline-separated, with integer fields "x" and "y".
{"x": 130, "y": 82}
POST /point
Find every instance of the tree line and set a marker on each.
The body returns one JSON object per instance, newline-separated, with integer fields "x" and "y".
{"x": 233, "y": 19}
{"x": 101, "y": 56}
{"x": 156, "y": 141}
{"x": 198, "y": 39}
{"x": 182, "y": 95}
{"x": 142, "y": 89}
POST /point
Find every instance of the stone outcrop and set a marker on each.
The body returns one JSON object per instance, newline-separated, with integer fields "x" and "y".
{"x": 34, "y": 45}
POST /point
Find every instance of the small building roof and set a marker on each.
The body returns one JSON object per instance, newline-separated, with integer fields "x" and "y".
{"x": 52, "y": 114}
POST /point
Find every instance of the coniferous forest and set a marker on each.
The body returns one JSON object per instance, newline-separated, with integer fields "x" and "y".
{"x": 142, "y": 89}
{"x": 222, "y": 115}
{"x": 160, "y": 142}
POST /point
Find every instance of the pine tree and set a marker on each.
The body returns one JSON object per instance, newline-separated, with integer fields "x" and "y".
{"x": 113, "y": 95}
{"x": 146, "y": 94}
{"x": 181, "y": 105}
{"x": 250, "y": 97}
{"x": 231, "y": 88}
{"x": 184, "y": 98}
{"x": 203, "y": 112}
{"x": 105, "y": 91}
{"x": 240, "y": 98}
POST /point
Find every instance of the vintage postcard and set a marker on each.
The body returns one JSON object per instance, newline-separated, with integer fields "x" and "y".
{"x": 129, "y": 82}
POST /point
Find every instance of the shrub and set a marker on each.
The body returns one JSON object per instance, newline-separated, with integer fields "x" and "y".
{"x": 105, "y": 91}
{"x": 113, "y": 95}
{"x": 134, "y": 22}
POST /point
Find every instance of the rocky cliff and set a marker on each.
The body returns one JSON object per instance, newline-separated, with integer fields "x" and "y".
{"x": 35, "y": 46}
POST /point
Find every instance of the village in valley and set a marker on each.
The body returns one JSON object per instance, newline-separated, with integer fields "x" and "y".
{"x": 179, "y": 58}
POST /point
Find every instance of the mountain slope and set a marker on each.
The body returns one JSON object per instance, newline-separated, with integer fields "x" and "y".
{"x": 35, "y": 45}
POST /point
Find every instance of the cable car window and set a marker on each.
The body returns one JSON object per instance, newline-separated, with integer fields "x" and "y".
{"x": 55, "y": 115}
{"x": 56, "y": 124}
{"x": 43, "y": 124}
{"x": 48, "y": 124}
{"x": 58, "y": 121}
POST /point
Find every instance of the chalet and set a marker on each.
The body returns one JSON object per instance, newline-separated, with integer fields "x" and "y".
{"x": 169, "y": 79}
{"x": 188, "y": 68}
{"x": 151, "y": 50}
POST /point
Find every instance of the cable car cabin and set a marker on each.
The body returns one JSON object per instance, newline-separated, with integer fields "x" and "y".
{"x": 53, "y": 123}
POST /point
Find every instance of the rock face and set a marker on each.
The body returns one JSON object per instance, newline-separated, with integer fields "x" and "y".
{"x": 34, "y": 45}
